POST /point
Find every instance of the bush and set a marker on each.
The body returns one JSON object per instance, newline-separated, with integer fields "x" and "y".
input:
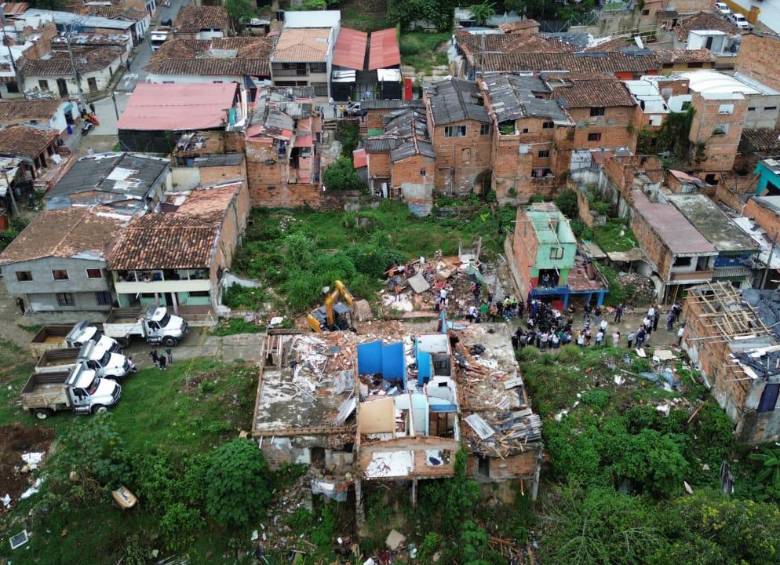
{"x": 237, "y": 483}
{"x": 244, "y": 298}
{"x": 235, "y": 326}
{"x": 341, "y": 176}
{"x": 567, "y": 203}
{"x": 348, "y": 133}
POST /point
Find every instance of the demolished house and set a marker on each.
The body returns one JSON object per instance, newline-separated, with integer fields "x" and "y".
{"x": 732, "y": 336}
{"x": 397, "y": 404}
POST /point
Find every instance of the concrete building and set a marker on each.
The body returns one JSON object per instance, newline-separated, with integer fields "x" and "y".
{"x": 52, "y": 114}
{"x": 36, "y": 146}
{"x": 758, "y": 56}
{"x": 544, "y": 258}
{"x": 768, "y": 172}
{"x": 531, "y": 137}
{"x": 125, "y": 183}
{"x": 461, "y": 132}
{"x": 58, "y": 262}
{"x": 731, "y": 336}
{"x": 677, "y": 253}
{"x": 303, "y": 55}
{"x": 736, "y": 250}
{"x": 223, "y": 59}
{"x": 177, "y": 257}
{"x": 765, "y": 211}
{"x": 201, "y": 22}
{"x": 651, "y": 104}
{"x": 53, "y": 73}
{"x": 66, "y": 21}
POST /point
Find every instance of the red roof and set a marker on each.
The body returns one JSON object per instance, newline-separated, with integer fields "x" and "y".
{"x": 384, "y": 50}
{"x": 359, "y": 158}
{"x": 177, "y": 107}
{"x": 350, "y": 49}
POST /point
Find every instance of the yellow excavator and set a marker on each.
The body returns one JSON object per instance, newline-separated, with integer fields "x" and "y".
{"x": 333, "y": 315}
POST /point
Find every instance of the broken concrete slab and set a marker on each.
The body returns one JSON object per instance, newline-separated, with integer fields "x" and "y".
{"x": 418, "y": 283}
{"x": 394, "y": 540}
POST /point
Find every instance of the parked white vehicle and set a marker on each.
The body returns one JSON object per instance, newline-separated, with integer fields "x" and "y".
{"x": 79, "y": 390}
{"x": 741, "y": 22}
{"x": 722, "y": 9}
{"x": 107, "y": 363}
{"x": 83, "y": 332}
{"x": 155, "y": 325}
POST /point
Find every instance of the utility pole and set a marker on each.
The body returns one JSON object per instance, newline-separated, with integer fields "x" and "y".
{"x": 10, "y": 190}
{"x": 113, "y": 98}
{"x": 76, "y": 74}
{"x": 769, "y": 262}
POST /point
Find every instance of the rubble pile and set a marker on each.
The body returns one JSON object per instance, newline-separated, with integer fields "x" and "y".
{"x": 643, "y": 288}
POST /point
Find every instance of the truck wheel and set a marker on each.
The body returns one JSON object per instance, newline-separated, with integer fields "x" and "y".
{"x": 99, "y": 409}
{"x": 169, "y": 341}
{"x": 42, "y": 413}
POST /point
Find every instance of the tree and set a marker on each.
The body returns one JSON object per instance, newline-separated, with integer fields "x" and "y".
{"x": 567, "y": 203}
{"x": 482, "y": 12}
{"x": 240, "y": 10}
{"x": 341, "y": 175}
{"x": 238, "y": 483}
{"x": 770, "y": 467}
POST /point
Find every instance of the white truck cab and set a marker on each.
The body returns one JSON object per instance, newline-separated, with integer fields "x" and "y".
{"x": 722, "y": 8}
{"x": 156, "y": 325}
{"x": 82, "y": 333}
{"x": 99, "y": 357}
{"x": 79, "y": 390}
{"x": 740, "y": 21}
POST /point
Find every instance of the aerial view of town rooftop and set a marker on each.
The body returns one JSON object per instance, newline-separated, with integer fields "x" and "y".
{"x": 390, "y": 281}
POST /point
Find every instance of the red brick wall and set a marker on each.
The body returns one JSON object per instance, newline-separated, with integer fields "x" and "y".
{"x": 410, "y": 170}
{"x": 767, "y": 219}
{"x": 286, "y": 196}
{"x": 720, "y": 150}
{"x": 459, "y": 160}
{"x": 618, "y": 128}
{"x": 652, "y": 245}
{"x": 379, "y": 165}
{"x": 524, "y": 248}
{"x": 758, "y": 57}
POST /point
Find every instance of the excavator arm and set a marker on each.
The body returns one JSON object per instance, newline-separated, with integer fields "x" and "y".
{"x": 339, "y": 291}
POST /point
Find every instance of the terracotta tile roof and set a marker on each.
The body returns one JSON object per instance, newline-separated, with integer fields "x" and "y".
{"x": 680, "y": 56}
{"x": 594, "y": 93}
{"x": 350, "y": 49}
{"x": 65, "y": 233}
{"x": 25, "y": 141}
{"x": 474, "y": 46}
{"x": 614, "y": 44}
{"x": 611, "y": 62}
{"x": 384, "y": 51}
{"x": 184, "y": 239}
{"x": 704, "y": 21}
{"x": 522, "y": 25}
{"x": 224, "y": 56}
{"x": 17, "y": 111}
{"x": 58, "y": 64}
{"x": 760, "y": 140}
{"x": 302, "y": 46}
{"x": 114, "y": 12}
{"x": 192, "y": 19}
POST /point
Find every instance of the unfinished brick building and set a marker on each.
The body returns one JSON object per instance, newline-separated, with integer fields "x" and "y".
{"x": 604, "y": 113}
{"x": 716, "y": 130}
{"x": 460, "y": 130}
{"x": 758, "y": 56}
{"x": 727, "y": 336}
{"x": 282, "y": 151}
{"x": 532, "y": 136}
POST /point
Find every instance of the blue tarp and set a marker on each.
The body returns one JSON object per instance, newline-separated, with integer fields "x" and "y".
{"x": 443, "y": 408}
{"x": 387, "y": 360}
{"x": 424, "y": 367}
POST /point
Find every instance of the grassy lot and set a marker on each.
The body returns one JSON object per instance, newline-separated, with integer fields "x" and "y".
{"x": 419, "y": 49}
{"x": 365, "y": 15}
{"x": 299, "y": 252}
{"x": 177, "y": 414}
{"x": 615, "y": 235}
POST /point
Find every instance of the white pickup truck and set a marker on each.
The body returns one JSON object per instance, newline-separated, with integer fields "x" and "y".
{"x": 94, "y": 355}
{"x": 155, "y": 325}
{"x": 83, "y": 332}
{"x": 79, "y": 390}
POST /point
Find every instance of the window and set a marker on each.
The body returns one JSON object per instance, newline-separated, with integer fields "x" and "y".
{"x": 768, "y": 400}
{"x": 682, "y": 262}
{"x": 751, "y": 108}
{"x": 12, "y": 87}
{"x": 23, "y": 276}
{"x": 770, "y": 108}
{"x": 726, "y": 109}
{"x": 721, "y": 129}
{"x": 695, "y": 65}
{"x": 103, "y": 298}
{"x": 422, "y": 172}
{"x": 318, "y": 67}
{"x": 65, "y": 299}
{"x": 596, "y": 112}
{"x": 525, "y": 130}
{"x": 200, "y": 293}
{"x": 43, "y": 84}
{"x": 685, "y": 105}
{"x": 543, "y": 154}
{"x": 548, "y": 125}
{"x": 646, "y": 12}
{"x": 711, "y": 178}
{"x": 594, "y": 137}
{"x": 556, "y": 252}
{"x": 454, "y": 131}
{"x": 94, "y": 274}
{"x": 59, "y": 274}
{"x": 484, "y": 129}
{"x": 92, "y": 84}
{"x": 465, "y": 154}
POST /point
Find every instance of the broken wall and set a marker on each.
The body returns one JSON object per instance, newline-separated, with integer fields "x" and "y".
{"x": 461, "y": 160}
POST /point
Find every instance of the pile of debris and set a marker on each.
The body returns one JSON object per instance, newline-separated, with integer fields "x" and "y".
{"x": 506, "y": 434}
{"x": 22, "y": 450}
{"x": 643, "y": 289}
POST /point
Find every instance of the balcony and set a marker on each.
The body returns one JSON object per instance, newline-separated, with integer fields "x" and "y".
{"x": 168, "y": 280}
{"x": 691, "y": 276}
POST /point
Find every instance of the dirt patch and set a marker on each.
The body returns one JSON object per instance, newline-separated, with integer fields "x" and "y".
{"x": 16, "y": 440}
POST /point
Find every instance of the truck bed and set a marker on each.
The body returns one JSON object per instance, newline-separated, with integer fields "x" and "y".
{"x": 45, "y": 390}
{"x": 48, "y": 337}
{"x": 124, "y": 316}
{"x": 58, "y": 357}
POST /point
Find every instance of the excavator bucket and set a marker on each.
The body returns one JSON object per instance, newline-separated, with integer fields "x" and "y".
{"x": 314, "y": 324}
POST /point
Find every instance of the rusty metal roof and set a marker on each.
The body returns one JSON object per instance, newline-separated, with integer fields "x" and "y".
{"x": 384, "y": 51}
{"x": 350, "y": 49}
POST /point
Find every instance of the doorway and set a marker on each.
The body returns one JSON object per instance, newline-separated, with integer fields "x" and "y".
{"x": 62, "y": 87}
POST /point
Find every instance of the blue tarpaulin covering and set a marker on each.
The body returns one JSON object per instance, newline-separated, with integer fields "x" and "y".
{"x": 424, "y": 367}
{"x": 443, "y": 408}
{"x": 377, "y": 358}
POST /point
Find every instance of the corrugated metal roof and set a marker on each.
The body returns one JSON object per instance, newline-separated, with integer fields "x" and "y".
{"x": 384, "y": 51}
{"x": 350, "y": 49}
{"x": 454, "y": 100}
{"x": 177, "y": 107}
{"x": 512, "y": 97}
{"x": 671, "y": 226}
